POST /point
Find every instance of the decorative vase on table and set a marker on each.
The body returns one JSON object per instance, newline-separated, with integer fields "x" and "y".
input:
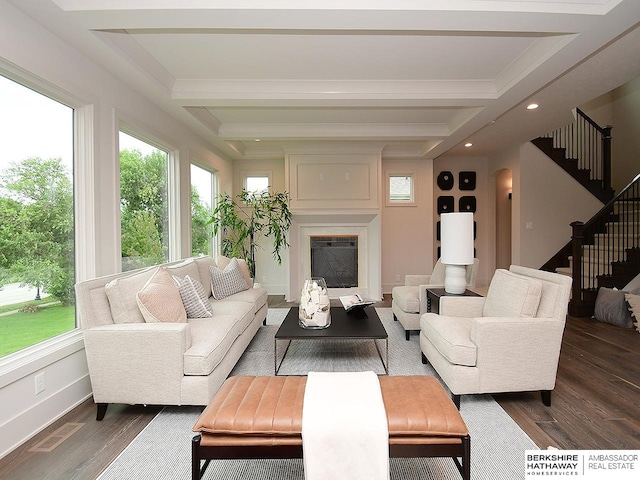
{"x": 314, "y": 311}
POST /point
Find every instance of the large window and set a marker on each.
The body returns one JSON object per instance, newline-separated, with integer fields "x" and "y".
{"x": 36, "y": 218}
{"x": 203, "y": 190}
{"x": 144, "y": 205}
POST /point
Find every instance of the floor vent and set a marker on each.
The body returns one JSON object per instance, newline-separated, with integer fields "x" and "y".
{"x": 49, "y": 443}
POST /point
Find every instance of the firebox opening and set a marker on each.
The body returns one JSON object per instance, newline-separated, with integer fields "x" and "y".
{"x": 335, "y": 257}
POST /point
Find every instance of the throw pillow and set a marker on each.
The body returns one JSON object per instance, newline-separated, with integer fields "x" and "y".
{"x": 512, "y": 295}
{"x": 121, "y": 293}
{"x": 611, "y": 307}
{"x": 223, "y": 261}
{"x": 159, "y": 300}
{"x": 634, "y": 303}
{"x": 228, "y": 281}
{"x": 194, "y": 298}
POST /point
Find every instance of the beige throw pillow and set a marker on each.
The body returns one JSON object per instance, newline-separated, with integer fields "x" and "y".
{"x": 159, "y": 300}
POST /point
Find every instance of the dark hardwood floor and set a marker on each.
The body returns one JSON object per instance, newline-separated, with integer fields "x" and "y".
{"x": 595, "y": 405}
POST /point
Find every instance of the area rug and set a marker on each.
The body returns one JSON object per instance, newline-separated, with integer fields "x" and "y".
{"x": 162, "y": 450}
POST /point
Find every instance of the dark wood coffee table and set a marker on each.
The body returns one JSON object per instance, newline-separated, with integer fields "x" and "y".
{"x": 361, "y": 324}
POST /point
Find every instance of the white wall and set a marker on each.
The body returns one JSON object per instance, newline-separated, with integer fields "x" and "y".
{"x": 33, "y": 56}
{"x": 625, "y": 134}
{"x": 550, "y": 199}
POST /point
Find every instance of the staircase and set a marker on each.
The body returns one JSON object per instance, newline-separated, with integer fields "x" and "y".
{"x": 583, "y": 150}
{"x": 605, "y": 251}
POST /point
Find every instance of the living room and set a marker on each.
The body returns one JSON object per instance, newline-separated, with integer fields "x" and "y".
{"x": 44, "y": 46}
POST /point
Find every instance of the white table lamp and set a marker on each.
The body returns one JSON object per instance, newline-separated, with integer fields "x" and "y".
{"x": 456, "y": 249}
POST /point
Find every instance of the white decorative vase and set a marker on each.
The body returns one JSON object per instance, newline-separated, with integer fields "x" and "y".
{"x": 314, "y": 311}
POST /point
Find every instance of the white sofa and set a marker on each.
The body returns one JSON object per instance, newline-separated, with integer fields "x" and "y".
{"x": 133, "y": 361}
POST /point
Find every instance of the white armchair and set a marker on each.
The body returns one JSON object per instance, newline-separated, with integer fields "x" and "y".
{"x": 508, "y": 341}
{"x": 409, "y": 301}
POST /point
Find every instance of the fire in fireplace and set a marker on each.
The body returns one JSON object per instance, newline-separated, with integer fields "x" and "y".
{"x": 335, "y": 257}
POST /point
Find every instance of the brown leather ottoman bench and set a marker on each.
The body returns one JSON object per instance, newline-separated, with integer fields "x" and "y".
{"x": 261, "y": 417}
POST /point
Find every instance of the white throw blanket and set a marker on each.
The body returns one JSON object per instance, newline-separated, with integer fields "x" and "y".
{"x": 345, "y": 434}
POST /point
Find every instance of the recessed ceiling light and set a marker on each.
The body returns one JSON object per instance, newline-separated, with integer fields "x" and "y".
{"x": 532, "y": 106}
{"x": 257, "y": 139}
{"x": 468, "y": 144}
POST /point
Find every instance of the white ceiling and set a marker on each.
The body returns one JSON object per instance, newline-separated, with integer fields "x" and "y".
{"x": 418, "y": 77}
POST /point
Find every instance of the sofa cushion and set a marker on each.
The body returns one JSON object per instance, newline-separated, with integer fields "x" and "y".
{"x": 121, "y": 293}
{"x": 159, "y": 300}
{"x": 406, "y": 297}
{"x": 188, "y": 267}
{"x": 228, "y": 281}
{"x": 204, "y": 263}
{"x": 211, "y": 338}
{"x": 256, "y": 295}
{"x": 512, "y": 295}
{"x": 195, "y": 300}
{"x": 223, "y": 261}
{"x": 451, "y": 336}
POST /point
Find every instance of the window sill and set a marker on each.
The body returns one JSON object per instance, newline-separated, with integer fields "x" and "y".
{"x": 18, "y": 365}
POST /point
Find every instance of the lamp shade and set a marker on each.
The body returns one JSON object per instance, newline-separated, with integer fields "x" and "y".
{"x": 456, "y": 233}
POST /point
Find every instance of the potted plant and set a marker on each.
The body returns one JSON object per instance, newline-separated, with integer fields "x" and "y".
{"x": 243, "y": 219}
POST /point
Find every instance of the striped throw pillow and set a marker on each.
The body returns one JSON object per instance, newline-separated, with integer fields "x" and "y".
{"x": 228, "y": 281}
{"x": 194, "y": 298}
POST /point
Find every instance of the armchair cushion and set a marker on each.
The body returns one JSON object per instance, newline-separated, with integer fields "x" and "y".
{"x": 451, "y": 336}
{"x": 407, "y": 298}
{"x": 512, "y": 295}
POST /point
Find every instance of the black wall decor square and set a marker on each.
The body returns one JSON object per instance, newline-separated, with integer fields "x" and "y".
{"x": 445, "y": 204}
{"x": 467, "y": 180}
{"x": 438, "y": 230}
{"x": 445, "y": 180}
{"x": 467, "y": 204}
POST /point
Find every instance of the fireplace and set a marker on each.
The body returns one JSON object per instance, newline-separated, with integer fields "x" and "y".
{"x": 341, "y": 229}
{"x": 335, "y": 257}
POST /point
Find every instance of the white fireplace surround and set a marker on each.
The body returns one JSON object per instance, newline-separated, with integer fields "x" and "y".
{"x": 366, "y": 226}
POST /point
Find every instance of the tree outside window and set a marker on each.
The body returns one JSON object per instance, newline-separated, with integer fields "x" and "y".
{"x": 37, "y": 248}
{"x": 143, "y": 203}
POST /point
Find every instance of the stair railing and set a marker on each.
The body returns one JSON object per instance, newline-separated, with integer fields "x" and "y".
{"x": 604, "y": 239}
{"x": 588, "y": 143}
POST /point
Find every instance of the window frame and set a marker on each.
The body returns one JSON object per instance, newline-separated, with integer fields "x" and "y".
{"x": 173, "y": 187}
{"x": 215, "y": 239}
{"x": 412, "y": 202}
{"x": 268, "y": 174}
{"x": 28, "y": 360}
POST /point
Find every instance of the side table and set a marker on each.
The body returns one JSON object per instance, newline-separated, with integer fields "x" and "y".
{"x": 434, "y": 295}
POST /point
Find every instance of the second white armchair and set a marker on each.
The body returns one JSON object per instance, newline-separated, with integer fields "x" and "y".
{"x": 409, "y": 301}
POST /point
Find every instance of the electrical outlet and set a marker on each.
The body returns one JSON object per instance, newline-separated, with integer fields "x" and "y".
{"x": 264, "y": 279}
{"x": 322, "y": 176}
{"x": 528, "y": 226}
{"x": 346, "y": 176}
{"x": 39, "y": 383}
{"x": 397, "y": 278}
